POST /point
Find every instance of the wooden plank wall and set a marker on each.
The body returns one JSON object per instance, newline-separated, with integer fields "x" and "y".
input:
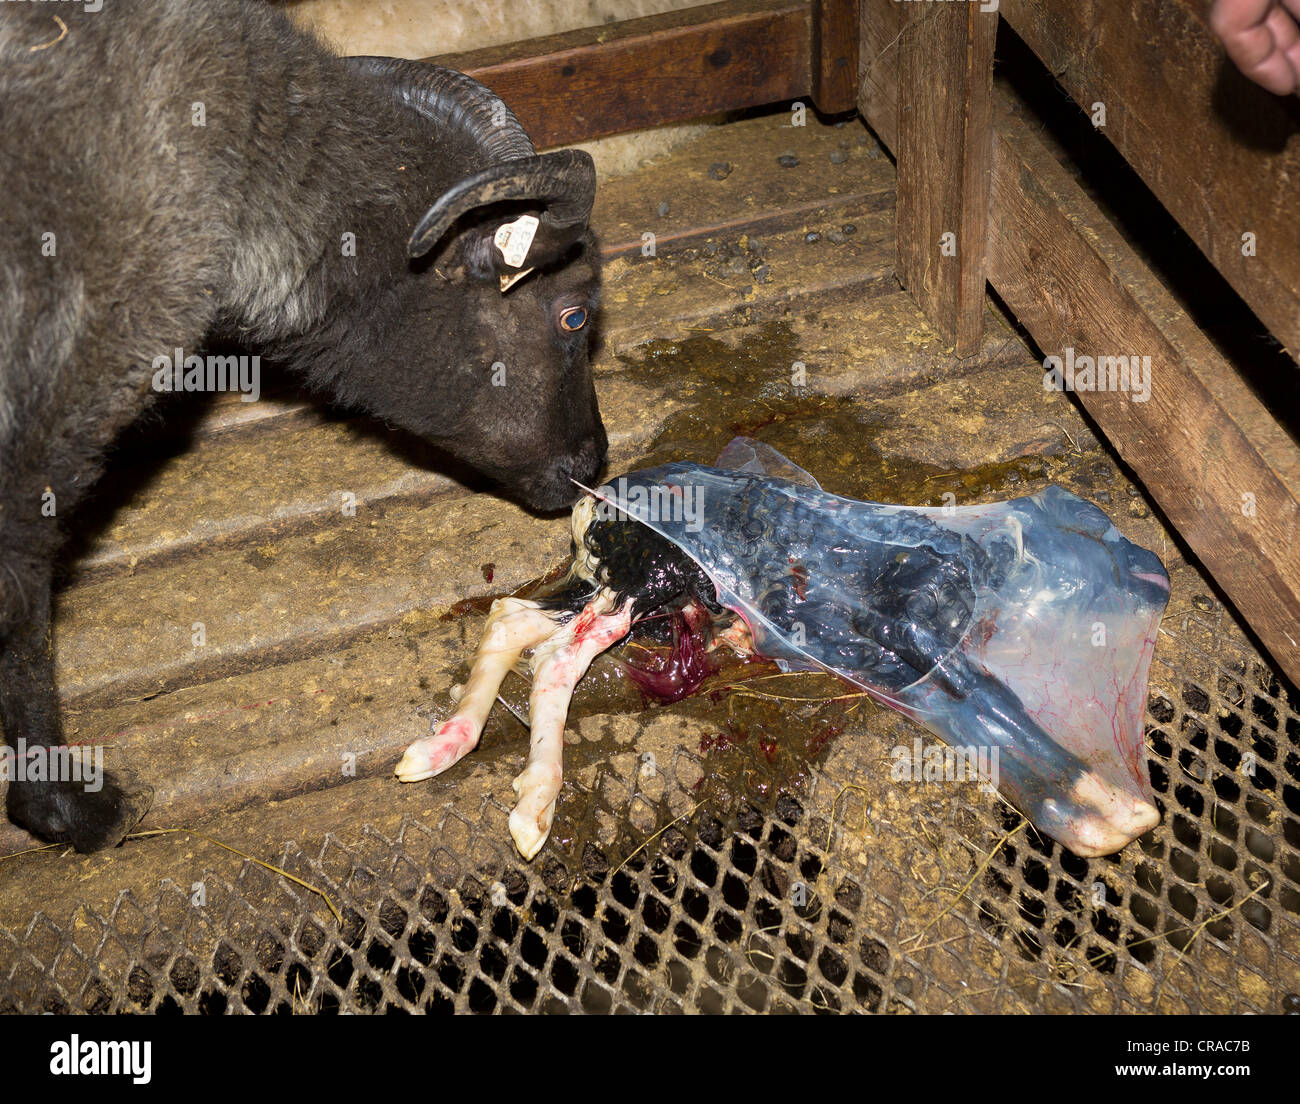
{"x": 1202, "y": 443}
{"x": 673, "y": 67}
{"x": 1212, "y": 146}
{"x": 1211, "y": 454}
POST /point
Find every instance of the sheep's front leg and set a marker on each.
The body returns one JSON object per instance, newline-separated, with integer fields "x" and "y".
{"x": 513, "y": 626}
{"x": 557, "y": 667}
{"x": 90, "y": 813}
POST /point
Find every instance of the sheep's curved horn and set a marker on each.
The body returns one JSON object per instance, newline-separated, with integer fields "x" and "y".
{"x": 563, "y": 182}
{"x": 453, "y": 101}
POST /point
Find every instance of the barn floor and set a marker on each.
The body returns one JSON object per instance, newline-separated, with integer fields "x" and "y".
{"x": 732, "y": 852}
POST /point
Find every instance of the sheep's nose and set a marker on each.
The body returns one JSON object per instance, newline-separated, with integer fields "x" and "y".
{"x": 558, "y": 486}
{"x": 584, "y": 465}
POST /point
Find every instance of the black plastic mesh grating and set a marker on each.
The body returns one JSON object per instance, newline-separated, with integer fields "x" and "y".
{"x": 745, "y": 903}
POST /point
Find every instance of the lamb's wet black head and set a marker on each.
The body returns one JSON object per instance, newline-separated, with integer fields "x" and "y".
{"x": 616, "y": 552}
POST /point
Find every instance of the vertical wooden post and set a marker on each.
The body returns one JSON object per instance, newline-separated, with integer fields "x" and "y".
{"x": 835, "y": 55}
{"x": 945, "y": 158}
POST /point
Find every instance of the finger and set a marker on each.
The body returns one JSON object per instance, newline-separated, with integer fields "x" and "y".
{"x": 1229, "y": 18}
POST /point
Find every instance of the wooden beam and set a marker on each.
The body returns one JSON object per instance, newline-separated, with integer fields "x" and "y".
{"x": 835, "y": 55}
{"x": 1206, "y": 449}
{"x": 1217, "y": 151}
{"x": 661, "y": 69}
{"x": 945, "y": 83}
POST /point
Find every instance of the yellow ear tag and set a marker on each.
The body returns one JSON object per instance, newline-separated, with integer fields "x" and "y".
{"x": 514, "y": 239}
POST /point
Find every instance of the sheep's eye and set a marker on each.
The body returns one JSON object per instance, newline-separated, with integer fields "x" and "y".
{"x": 573, "y": 319}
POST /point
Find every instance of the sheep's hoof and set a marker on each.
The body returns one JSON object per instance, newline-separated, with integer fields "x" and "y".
{"x": 66, "y": 812}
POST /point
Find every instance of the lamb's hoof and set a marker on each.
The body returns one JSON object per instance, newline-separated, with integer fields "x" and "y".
{"x": 445, "y": 746}
{"x": 530, "y": 823}
{"x": 1099, "y": 818}
{"x": 66, "y": 812}
{"x": 530, "y": 833}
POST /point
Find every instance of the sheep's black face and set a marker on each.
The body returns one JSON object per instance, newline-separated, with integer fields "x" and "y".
{"x": 522, "y": 407}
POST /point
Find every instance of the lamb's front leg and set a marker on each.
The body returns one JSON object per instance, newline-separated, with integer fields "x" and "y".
{"x": 513, "y": 626}
{"x": 557, "y": 666}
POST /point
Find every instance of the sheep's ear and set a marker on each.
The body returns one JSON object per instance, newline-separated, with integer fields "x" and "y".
{"x": 510, "y": 245}
{"x": 500, "y": 251}
{"x": 561, "y": 185}
{"x": 504, "y": 251}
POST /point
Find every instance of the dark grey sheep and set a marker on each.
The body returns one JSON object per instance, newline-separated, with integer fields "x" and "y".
{"x": 177, "y": 172}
